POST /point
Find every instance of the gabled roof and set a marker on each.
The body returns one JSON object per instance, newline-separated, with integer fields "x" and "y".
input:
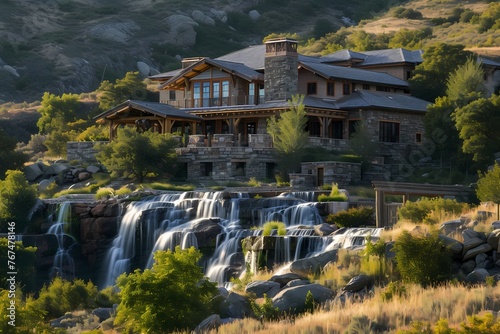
{"x": 375, "y": 57}
{"x": 353, "y": 74}
{"x": 155, "y": 108}
{"x": 252, "y": 56}
{"x": 362, "y": 99}
{"x": 238, "y": 69}
{"x": 165, "y": 75}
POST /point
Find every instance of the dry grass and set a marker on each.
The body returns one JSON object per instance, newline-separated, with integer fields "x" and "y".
{"x": 454, "y": 303}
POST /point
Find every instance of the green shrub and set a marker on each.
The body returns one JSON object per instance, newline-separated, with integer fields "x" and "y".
{"x": 394, "y": 289}
{"x": 426, "y": 210}
{"x": 335, "y": 195}
{"x": 253, "y": 182}
{"x": 274, "y": 225}
{"x": 169, "y": 186}
{"x": 62, "y": 296}
{"x": 124, "y": 190}
{"x": 424, "y": 260}
{"x": 266, "y": 311}
{"x": 104, "y": 193}
{"x": 354, "y": 217}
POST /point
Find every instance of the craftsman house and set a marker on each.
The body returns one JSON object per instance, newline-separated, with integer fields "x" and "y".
{"x": 220, "y": 106}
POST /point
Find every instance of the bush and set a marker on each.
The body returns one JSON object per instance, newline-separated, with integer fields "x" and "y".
{"x": 354, "y": 217}
{"x": 172, "y": 296}
{"x": 274, "y": 225}
{"x": 422, "y": 259}
{"x": 104, "y": 193}
{"x": 394, "y": 289}
{"x": 426, "y": 210}
{"x": 266, "y": 311}
{"x": 335, "y": 195}
{"x": 62, "y": 296}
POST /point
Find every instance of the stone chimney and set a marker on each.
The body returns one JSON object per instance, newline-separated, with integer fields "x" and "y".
{"x": 281, "y": 75}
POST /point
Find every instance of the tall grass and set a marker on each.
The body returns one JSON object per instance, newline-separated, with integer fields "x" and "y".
{"x": 450, "y": 302}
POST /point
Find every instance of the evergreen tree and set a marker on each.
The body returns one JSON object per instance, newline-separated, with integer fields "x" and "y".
{"x": 130, "y": 87}
{"x": 488, "y": 187}
{"x": 289, "y": 136}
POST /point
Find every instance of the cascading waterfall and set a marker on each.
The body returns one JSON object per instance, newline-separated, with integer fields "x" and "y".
{"x": 64, "y": 265}
{"x": 166, "y": 221}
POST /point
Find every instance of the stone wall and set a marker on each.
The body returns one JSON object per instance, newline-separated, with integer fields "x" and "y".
{"x": 341, "y": 173}
{"x": 82, "y": 151}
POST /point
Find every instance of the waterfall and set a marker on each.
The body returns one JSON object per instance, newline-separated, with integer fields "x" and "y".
{"x": 63, "y": 265}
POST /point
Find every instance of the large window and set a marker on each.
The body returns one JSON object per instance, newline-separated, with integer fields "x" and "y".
{"x": 388, "y": 132}
{"x": 346, "y": 88}
{"x": 209, "y": 93}
{"x": 251, "y": 93}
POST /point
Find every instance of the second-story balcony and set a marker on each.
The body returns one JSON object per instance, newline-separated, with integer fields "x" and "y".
{"x": 216, "y": 102}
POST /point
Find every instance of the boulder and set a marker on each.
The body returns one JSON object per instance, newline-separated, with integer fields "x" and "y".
{"x": 451, "y": 226}
{"x": 472, "y": 239}
{"x": 143, "y": 68}
{"x": 494, "y": 239}
{"x": 477, "y": 276}
{"x": 468, "y": 267}
{"x": 254, "y": 15}
{"x": 106, "y": 210}
{"x": 103, "y": 313}
{"x": 45, "y": 183}
{"x": 455, "y": 246}
{"x": 359, "y": 283}
{"x": 57, "y": 168}
{"x": 259, "y": 288}
{"x": 324, "y": 229}
{"x": 32, "y": 172}
{"x": 206, "y": 230}
{"x": 313, "y": 264}
{"x": 83, "y": 176}
{"x": 119, "y": 32}
{"x": 210, "y": 323}
{"x": 11, "y": 70}
{"x": 293, "y": 299}
{"x": 181, "y": 30}
{"x": 219, "y": 15}
{"x": 93, "y": 169}
{"x": 107, "y": 226}
{"x": 237, "y": 306}
{"x": 471, "y": 253}
{"x": 296, "y": 282}
{"x": 198, "y": 16}
{"x": 284, "y": 279}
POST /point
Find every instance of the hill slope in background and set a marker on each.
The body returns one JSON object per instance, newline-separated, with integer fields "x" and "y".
{"x": 72, "y": 45}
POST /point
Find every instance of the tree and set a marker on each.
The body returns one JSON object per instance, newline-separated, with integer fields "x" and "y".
{"x": 488, "y": 187}
{"x": 57, "y": 111}
{"x": 289, "y": 136}
{"x": 130, "y": 87}
{"x": 439, "y": 60}
{"x": 17, "y": 198}
{"x": 478, "y": 123}
{"x": 466, "y": 83}
{"x": 362, "y": 144}
{"x": 422, "y": 259}
{"x": 9, "y": 158}
{"x": 411, "y": 39}
{"x": 138, "y": 154}
{"x": 171, "y": 296}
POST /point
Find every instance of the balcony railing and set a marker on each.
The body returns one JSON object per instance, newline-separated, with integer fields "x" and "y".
{"x": 216, "y": 102}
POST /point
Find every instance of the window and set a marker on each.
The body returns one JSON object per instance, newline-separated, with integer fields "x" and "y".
{"x": 418, "y": 137}
{"x": 311, "y": 88}
{"x": 196, "y": 94}
{"x": 383, "y": 88}
{"x": 216, "y": 93}
{"x": 206, "y": 94}
{"x": 346, "y": 88}
{"x": 251, "y": 128}
{"x": 171, "y": 95}
{"x": 239, "y": 169}
{"x": 366, "y": 87}
{"x": 330, "y": 88}
{"x": 251, "y": 93}
{"x": 225, "y": 93}
{"x": 388, "y": 132}
{"x": 210, "y": 93}
{"x": 206, "y": 168}
{"x": 338, "y": 129}
{"x": 353, "y": 125}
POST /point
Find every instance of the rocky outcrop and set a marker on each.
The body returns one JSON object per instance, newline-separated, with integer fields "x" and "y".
{"x": 119, "y": 32}
{"x": 181, "y": 30}
{"x": 294, "y": 299}
{"x": 259, "y": 288}
{"x": 314, "y": 264}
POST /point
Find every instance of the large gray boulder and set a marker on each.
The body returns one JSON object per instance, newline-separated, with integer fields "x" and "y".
{"x": 453, "y": 245}
{"x": 219, "y": 15}
{"x": 294, "y": 299}
{"x": 254, "y": 15}
{"x": 477, "y": 276}
{"x": 181, "y": 30}
{"x": 494, "y": 239}
{"x": 359, "y": 283}
{"x": 119, "y": 32}
{"x": 32, "y": 172}
{"x": 472, "y": 239}
{"x": 198, "y": 16}
{"x": 236, "y": 306}
{"x": 313, "y": 264}
{"x": 471, "y": 253}
{"x": 259, "y": 288}
{"x": 324, "y": 229}
{"x": 283, "y": 279}
{"x": 210, "y": 323}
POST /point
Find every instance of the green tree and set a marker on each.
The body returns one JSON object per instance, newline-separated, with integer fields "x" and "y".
{"x": 439, "y": 60}
{"x": 138, "y": 154}
{"x": 28, "y": 316}
{"x": 130, "y": 87}
{"x": 9, "y": 158}
{"x": 289, "y": 136}
{"x": 25, "y": 262}
{"x": 362, "y": 144}
{"x": 17, "y": 198}
{"x": 422, "y": 259}
{"x": 488, "y": 187}
{"x": 478, "y": 123}
{"x": 57, "y": 111}
{"x": 410, "y": 39}
{"x": 171, "y": 296}
{"x": 466, "y": 83}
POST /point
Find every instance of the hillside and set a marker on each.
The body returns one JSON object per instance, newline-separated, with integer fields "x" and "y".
{"x": 72, "y": 45}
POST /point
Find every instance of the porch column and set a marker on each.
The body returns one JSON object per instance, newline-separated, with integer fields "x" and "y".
{"x": 379, "y": 208}
{"x": 111, "y": 130}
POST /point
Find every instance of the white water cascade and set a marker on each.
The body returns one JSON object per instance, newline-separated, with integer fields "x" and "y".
{"x": 64, "y": 265}
{"x": 166, "y": 221}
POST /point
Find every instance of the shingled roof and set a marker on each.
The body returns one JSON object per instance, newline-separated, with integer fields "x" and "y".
{"x": 362, "y": 99}
{"x": 155, "y": 108}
